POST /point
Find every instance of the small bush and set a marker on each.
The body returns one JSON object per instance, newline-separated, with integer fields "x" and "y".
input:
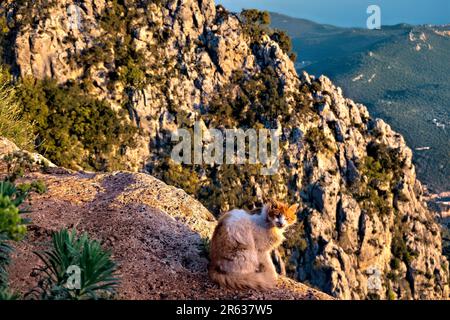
{"x": 400, "y": 250}
{"x": 381, "y": 170}
{"x": 205, "y": 247}
{"x": 318, "y": 141}
{"x": 395, "y": 263}
{"x": 74, "y": 129}
{"x": 12, "y": 227}
{"x": 20, "y": 162}
{"x": 392, "y": 295}
{"x": 37, "y": 186}
{"x": 258, "y": 101}
{"x": 285, "y": 42}
{"x": 256, "y": 23}
{"x": 184, "y": 177}
{"x": 10, "y": 220}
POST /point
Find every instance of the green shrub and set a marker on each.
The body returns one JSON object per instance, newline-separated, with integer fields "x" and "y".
{"x": 399, "y": 249}
{"x": 391, "y": 295}
{"x": 285, "y": 42}
{"x": 255, "y": 17}
{"x": 19, "y": 162}
{"x": 98, "y": 270}
{"x": 12, "y": 125}
{"x": 133, "y": 71}
{"x": 73, "y": 129}
{"x": 256, "y": 23}
{"x": 295, "y": 240}
{"x": 395, "y": 263}
{"x": 10, "y": 220}
{"x": 205, "y": 247}
{"x": 4, "y": 30}
{"x": 258, "y": 101}
{"x": 6, "y": 294}
{"x": 296, "y": 237}
{"x": 381, "y": 170}
{"x": 184, "y": 177}
{"x": 3, "y": 25}
{"x": 318, "y": 141}
{"x": 12, "y": 227}
{"x": 37, "y": 186}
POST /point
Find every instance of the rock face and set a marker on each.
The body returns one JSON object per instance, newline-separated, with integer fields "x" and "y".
{"x": 356, "y": 249}
{"x": 364, "y": 229}
{"x": 154, "y": 231}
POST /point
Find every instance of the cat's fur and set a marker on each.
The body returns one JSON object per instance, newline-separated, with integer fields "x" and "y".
{"x": 242, "y": 243}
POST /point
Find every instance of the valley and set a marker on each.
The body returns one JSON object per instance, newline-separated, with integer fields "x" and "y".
{"x": 400, "y": 72}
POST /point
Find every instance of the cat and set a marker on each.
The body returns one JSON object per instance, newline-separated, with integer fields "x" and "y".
{"x": 242, "y": 243}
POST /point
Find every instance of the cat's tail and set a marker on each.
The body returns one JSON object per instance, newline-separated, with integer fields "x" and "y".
{"x": 241, "y": 281}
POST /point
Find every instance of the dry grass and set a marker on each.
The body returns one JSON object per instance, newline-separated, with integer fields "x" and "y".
{"x": 12, "y": 125}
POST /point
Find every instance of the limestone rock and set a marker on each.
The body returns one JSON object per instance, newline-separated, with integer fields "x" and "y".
{"x": 367, "y": 232}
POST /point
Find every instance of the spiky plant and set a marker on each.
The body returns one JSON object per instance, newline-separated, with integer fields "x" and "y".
{"x": 98, "y": 271}
{"x": 6, "y": 294}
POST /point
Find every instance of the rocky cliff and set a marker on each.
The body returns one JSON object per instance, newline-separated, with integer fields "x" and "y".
{"x": 364, "y": 231}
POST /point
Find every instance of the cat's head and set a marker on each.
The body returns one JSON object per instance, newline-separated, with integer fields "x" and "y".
{"x": 281, "y": 215}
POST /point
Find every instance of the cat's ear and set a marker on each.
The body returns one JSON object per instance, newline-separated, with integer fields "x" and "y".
{"x": 278, "y": 204}
{"x": 293, "y": 209}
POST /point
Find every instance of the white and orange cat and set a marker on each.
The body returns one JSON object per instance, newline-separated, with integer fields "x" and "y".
{"x": 242, "y": 243}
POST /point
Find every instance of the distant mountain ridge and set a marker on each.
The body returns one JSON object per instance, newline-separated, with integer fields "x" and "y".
{"x": 400, "y": 72}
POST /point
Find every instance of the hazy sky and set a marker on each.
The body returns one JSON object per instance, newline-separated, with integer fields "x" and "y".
{"x": 352, "y": 13}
